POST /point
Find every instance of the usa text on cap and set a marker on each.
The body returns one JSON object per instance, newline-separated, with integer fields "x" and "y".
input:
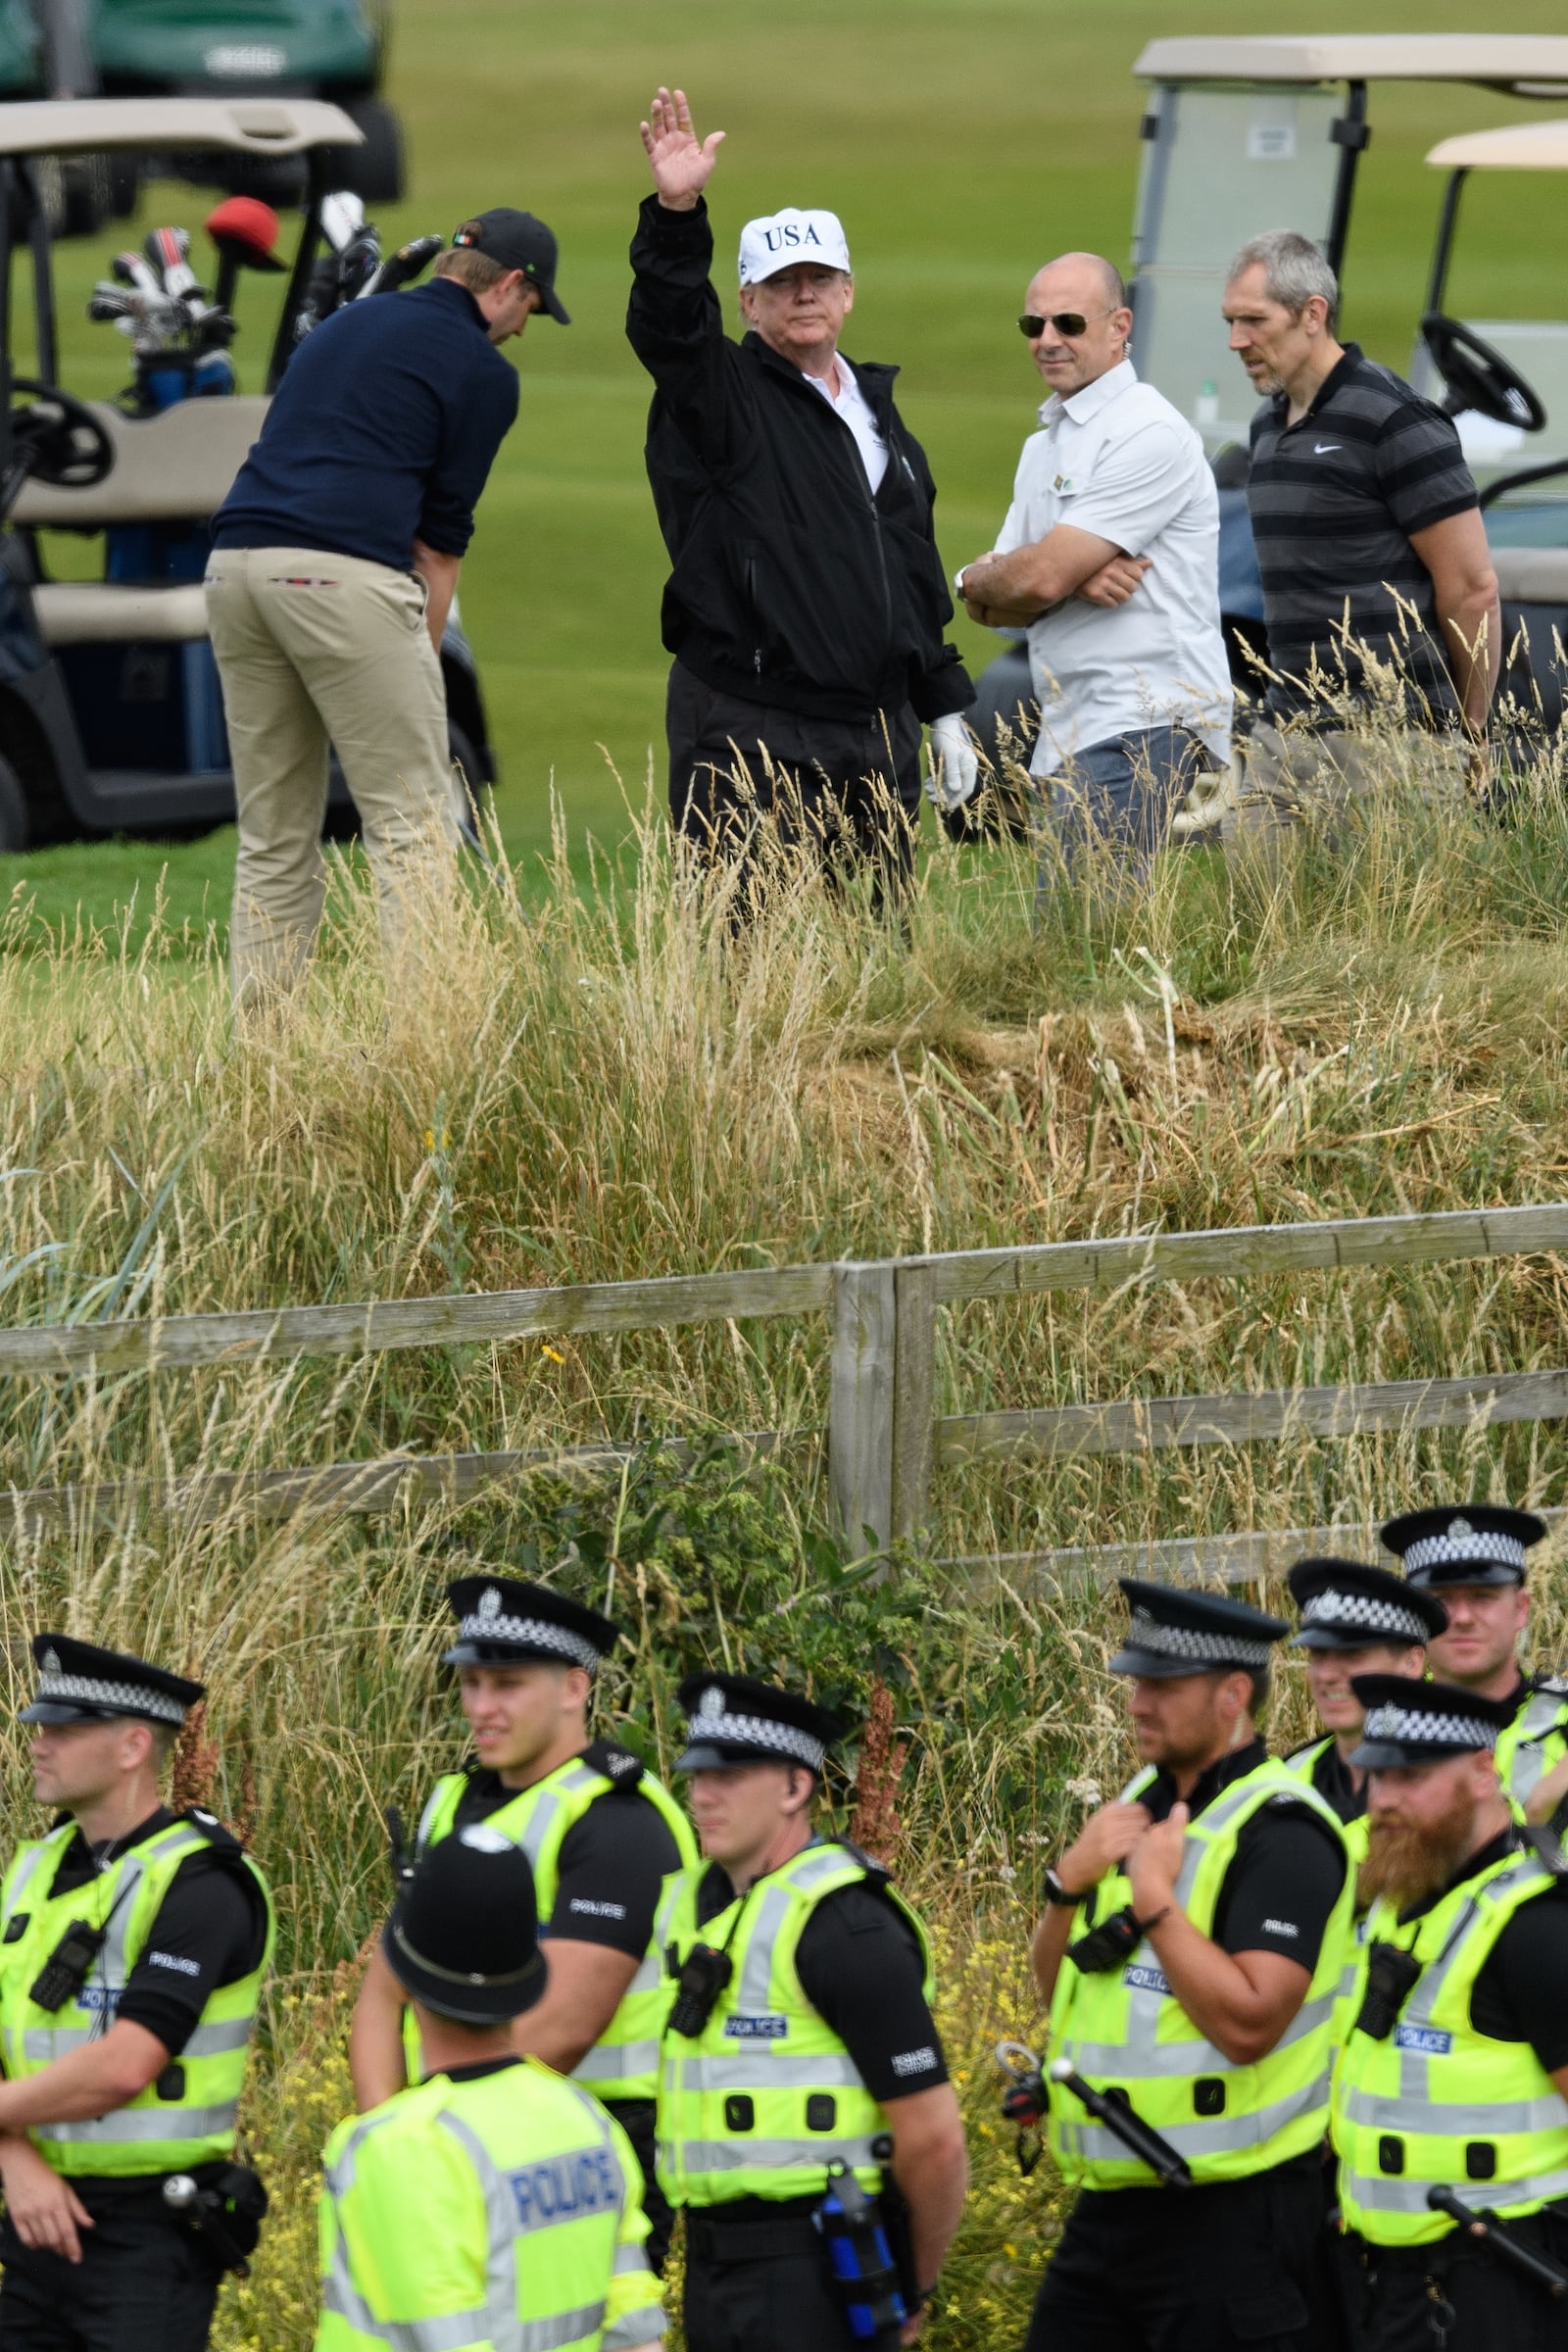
{"x": 1464, "y": 1543}
{"x": 80, "y": 1683}
{"x": 1409, "y": 1723}
{"x": 503, "y": 1621}
{"x": 1172, "y": 1631}
{"x": 1345, "y": 1604}
{"x": 782, "y": 241}
{"x": 731, "y": 1719}
{"x": 517, "y": 241}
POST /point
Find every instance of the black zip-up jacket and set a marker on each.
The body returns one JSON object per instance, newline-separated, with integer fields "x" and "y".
{"x": 792, "y": 585}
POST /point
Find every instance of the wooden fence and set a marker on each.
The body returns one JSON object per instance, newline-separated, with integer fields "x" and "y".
{"x": 885, "y": 1440}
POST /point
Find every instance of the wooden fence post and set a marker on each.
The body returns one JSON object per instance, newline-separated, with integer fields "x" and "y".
{"x": 915, "y": 1291}
{"x": 859, "y": 1419}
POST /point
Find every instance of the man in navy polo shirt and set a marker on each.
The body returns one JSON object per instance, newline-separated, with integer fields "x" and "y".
{"x": 336, "y": 557}
{"x": 1377, "y": 578}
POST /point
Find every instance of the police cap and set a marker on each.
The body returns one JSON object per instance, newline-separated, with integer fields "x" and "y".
{"x": 731, "y": 1719}
{"x": 1172, "y": 1631}
{"x": 1345, "y": 1604}
{"x": 1464, "y": 1543}
{"x": 1423, "y": 1723}
{"x": 80, "y": 1683}
{"x": 503, "y": 1621}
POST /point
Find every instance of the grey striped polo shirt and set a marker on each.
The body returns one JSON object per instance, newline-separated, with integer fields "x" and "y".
{"x": 1334, "y": 499}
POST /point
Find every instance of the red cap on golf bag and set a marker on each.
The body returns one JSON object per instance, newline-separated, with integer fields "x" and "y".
{"x": 251, "y": 225}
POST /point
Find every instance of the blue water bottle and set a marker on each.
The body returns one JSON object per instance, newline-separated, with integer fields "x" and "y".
{"x": 862, "y": 2262}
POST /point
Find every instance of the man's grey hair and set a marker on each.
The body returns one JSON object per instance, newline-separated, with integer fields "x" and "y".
{"x": 1294, "y": 270}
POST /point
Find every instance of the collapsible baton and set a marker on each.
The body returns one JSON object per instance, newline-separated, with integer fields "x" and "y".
{"x": 1168, "y": 2165}
{"x": 1498, "y": 2239}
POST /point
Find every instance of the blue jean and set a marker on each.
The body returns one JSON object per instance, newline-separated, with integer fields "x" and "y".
{"x": 1121, "y": 796}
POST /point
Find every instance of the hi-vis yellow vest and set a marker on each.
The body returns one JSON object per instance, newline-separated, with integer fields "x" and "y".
{"x": 189, "y": 2114}
{"x": 1533, "y": 1743}
{"x": 624, "y": 2065}
{"x": 502, "y": 2214}
{"x": 1357, "y": 1834}
{"x": 1123, "y": 2027}
{"x": 1437, "y": 2103}
{"x": 766, "y": 2096}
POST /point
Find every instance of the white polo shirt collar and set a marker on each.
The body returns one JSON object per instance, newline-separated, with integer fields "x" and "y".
{"x": 1089, "y": 399}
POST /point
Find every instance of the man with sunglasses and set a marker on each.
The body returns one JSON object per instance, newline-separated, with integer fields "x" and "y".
{"x": 1109, "y": 558}
{"x": 807, "y": 600}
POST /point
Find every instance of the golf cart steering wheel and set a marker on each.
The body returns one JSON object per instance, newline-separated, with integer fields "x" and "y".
{"x": 1478, "y": 376}
{"x": 55, "y": 438}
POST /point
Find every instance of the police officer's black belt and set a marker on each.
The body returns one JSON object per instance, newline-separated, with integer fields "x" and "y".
{"x": 751, "y": 2240}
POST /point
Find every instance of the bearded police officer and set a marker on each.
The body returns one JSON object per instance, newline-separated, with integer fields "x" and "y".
{"x": 1190, "y": 1953}
{"x": 1454, "y": 2078}
{"x": 133, "y": 1943}
{"x": 493, "y": 2206}
{"x": 1474, "y": 1557}
{"x": 800, "y": 2039}
{"x": 600, "y": 1833}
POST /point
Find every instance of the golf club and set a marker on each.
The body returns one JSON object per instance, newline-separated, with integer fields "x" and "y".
{"x": 402, "y": 268}
{"x": 132, "y": 270}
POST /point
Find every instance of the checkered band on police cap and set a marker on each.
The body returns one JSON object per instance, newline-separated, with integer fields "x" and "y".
{"x": 1460, "y": 1542}
{"x": 713, "y": 1721}
{"x": 1195, "y": 1648}
{"x": 90, "y": 1691}
{"x": 1415, "y": 1727}
{"x": 489, "y": 1622}
{"x": 1379, "y": 1620}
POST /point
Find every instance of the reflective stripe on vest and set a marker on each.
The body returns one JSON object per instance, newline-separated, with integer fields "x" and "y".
{"x": 149, "y": 2134}
{"x": 1433, "y": 2100}
{"x": 526, "y": 2255}
{"x": 738, "y": 2103}
{"x": 1522, "y": 1746}
{"x": 1124, "y": 2026}
{"x": 1357, "y": 1838}
{"x": 624, "y": 2065}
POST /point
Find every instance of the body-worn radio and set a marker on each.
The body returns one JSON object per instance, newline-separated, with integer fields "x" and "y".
{"x": 65, "y": 1972}
{"x": 699, "y": 1980}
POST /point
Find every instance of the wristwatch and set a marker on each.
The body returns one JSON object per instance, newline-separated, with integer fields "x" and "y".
{"x": 1057, "y": 1894}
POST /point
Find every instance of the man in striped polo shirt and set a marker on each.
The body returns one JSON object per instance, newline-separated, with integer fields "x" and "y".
{"x": 1371, "y": 546}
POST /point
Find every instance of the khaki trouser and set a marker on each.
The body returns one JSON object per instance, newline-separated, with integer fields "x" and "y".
{"x": 1296, "y": 776}
{"x": 314, "y": 649}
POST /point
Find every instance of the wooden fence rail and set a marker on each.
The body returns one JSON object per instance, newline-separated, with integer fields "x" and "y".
{"x": 884, "y": 1438}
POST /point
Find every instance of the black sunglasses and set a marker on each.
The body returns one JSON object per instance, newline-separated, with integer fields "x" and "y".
{"x": 1070, "y": 323}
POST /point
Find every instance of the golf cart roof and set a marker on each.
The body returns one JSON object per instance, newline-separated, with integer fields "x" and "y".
{"x": 1519, "y": 147}
{"x": 247, "y": 125}
{"x": 1528, "y": 65}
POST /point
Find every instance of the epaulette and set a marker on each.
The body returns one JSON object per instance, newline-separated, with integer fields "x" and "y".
{"x": 621, "y": 1768}
{"x": 212, "y": 1828}
{"x": 872, "y": 1868}
{"x": 1557, "y": 1684}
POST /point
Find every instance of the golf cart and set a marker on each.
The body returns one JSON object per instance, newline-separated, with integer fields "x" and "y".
{"x": 1241, "y": 135}
{"x": 329, "y": 49}
{"x": 111, "y": 717}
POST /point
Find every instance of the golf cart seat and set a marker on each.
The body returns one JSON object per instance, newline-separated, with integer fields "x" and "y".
{"x": 177, "y": 467}
{"x": 108, "y": 613}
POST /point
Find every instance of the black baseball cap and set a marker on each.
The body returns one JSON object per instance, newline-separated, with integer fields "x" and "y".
{"x": 517, "y": 241}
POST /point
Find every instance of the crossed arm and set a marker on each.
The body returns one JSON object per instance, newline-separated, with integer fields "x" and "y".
{"x": 1010, "y": 591}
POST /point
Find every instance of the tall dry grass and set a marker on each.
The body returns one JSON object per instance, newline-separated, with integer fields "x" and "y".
{"x": 608, "y": 1082}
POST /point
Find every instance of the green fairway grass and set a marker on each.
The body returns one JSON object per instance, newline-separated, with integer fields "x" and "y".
{"x": 961, "y": 140}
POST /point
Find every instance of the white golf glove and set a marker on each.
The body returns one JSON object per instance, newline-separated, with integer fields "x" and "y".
{"x": 955, "y": 764}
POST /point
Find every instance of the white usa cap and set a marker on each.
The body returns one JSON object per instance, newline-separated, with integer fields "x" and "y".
{"x": 781, "y": 239}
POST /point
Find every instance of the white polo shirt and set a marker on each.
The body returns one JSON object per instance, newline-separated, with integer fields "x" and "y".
{"x": 850, "y": 403}
{"x": 1117, "y": 459}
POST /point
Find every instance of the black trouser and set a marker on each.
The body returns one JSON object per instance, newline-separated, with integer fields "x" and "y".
{"x": 1456, "y": 2297}
{"x": 758, "y": 2281}
{"x": 144, "y": 2283}
{"x": 636, "y": 2118}
{"x": 745, "y": 779}
{"x": 1235, "y": 2266}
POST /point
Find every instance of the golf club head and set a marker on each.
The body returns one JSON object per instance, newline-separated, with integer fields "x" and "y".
{"x": 342, "y": 218}
{"x": 133, "y": 269}
{"x": 168, "y": 248}
{"x": 402, "y": 268}
{"x": 110, "y": 302}
{"x": 356, "y": 264}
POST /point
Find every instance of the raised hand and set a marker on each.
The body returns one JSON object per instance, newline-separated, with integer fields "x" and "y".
{"x": 682, "y": 162}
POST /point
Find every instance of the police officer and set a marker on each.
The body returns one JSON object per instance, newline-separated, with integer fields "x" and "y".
{"x": 494, "y": 2204}
{"x": 1474, "y": 1557}
{"x": 1354, "y": 1620}
{"x": 1456, "y": 2075}
{"x": 1191, "y": 1951}
{"x": 801, "y": 2037}
{"x": 133, "y": 1945}
{"x": 600, "y": 1833}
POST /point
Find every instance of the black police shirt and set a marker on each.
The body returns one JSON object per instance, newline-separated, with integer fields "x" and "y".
{"x": 1518, "y": 1991}
{"x": 613, "y": 1863}
{"x": 860, "y": 1969}
{"x": 1279, "y": 1894}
